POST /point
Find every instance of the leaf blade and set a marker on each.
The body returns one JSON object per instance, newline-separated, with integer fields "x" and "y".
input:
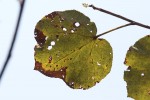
{"x": 77, "y": 58}
{"x": 138, "y": 79}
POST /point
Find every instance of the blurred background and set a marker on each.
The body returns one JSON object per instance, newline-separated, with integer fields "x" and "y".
{"x": 21, "y": 82}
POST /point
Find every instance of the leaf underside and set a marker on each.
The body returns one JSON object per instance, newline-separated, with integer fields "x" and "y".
{"x": 138, "y": 74}
{"x": 66, "y": 49}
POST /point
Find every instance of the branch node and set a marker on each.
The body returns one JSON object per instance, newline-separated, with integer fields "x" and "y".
{"x": 85, "y": 5}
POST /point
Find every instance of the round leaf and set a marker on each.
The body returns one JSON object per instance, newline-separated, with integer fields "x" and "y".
{"x": 67, "y": 49}
{"x": 138, "y": 74}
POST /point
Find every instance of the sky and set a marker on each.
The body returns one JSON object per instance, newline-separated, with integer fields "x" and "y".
{"x": 21, "y": 82}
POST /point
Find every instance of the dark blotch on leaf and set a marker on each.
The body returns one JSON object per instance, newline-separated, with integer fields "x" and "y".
{"x": 57, "y": 36}
{"x": 129, "y": 68}
{"x": 56, "y": 74}
{"x": 125, "y": 61}
{"x": 52, "y": 15}
{"x": 40, "y": 38}
{"x": 50, "y": 59}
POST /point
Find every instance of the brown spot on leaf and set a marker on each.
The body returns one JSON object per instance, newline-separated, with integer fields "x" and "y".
{"x": 50, "y": 59}
{"x": 38, "y": 65}
{"x": 56, "y": 26}
{"x": 57, "y": 74}
{"x": 148, "y": 92}
{"x": 130, "y": 49}
{"x": 57, "y": 36}
{"x": 40, "y": 38}
{"x": 70, "y": 84}
{"x": 125, "y": 61}
{"x": 129, "y": 68}
{"x": 52, "y": 15}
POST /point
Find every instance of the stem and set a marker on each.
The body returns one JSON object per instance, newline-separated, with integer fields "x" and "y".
{"x": 119, "y": 16}
{"x": 125, "y": 25}
{"x": 13, "y": 40}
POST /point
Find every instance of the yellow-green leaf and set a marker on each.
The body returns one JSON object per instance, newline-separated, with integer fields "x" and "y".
{"x": 67, "y": 49}
{"x": 138, "y": 74}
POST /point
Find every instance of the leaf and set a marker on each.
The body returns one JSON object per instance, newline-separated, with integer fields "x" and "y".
{"x": 67, "y": 49}
{"x": 138, "y": 74}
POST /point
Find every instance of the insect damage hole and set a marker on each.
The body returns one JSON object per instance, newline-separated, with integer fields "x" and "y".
{"x": 46, "y": 38}
{"x": 35, "y": 35}
{"x": 77, "y": 24}
{"x": 142, "y": 74}
{"x": 52, "y": 43}
{"x": 98, "y": 64}
{"x": 72, "y": 31}
{"x": 64, "y": 29}
{"x": 49, "y": 47}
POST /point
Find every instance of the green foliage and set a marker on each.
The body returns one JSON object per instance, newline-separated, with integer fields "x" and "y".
{"x": 138, "y": 74}
{"x": 67, "y": 49}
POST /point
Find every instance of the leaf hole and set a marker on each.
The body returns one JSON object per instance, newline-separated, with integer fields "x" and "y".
{"x": 72, "y": 31}
{"x": 72, "y": 83}
{"x": 91, "y": 31}
{"x": 35, "y": 35}
{"x": 64, "y": 29}
{"x": 98, "y": 64}
{"x": 46, "y": 38}
{"x": 142, "y": 74}
{"x": 49, "y": 47}
{"x": 129, "y": 69}
{"x": 63, "y": 76}
{"x": 77, "y": 24}
{"x": 52, "y": 43}
{"x": 87, "y": 24}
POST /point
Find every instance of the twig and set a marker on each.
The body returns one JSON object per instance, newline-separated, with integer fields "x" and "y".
{"x": 125, "y": 25}
{"x": 13, "y": 40}
{"x": 119, "y": 16}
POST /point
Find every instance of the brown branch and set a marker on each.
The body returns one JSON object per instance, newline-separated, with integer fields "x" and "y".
{"x": 22, "y": 2}
{"x": 119, "y": 16}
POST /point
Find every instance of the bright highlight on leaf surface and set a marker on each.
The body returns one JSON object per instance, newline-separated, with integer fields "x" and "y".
{"x": 138, "y": 74}
{"x": 67, "y": 49}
